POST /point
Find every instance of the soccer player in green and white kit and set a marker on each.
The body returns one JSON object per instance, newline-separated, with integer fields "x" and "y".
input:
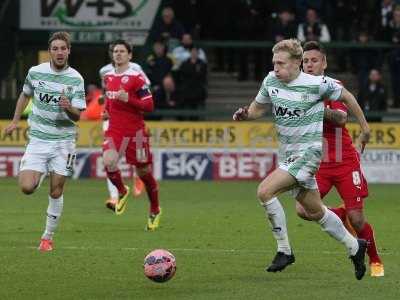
{"x": 298, "y": 109}
{"x": 58, "y": 99}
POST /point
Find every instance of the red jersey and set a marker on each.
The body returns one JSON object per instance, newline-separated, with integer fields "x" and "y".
{"x": 127, "y": 117}
{"x": 338, "y": 145}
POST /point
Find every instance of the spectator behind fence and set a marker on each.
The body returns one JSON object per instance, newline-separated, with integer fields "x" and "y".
{"x": 302, "y": 6}
{"x": 387, "y": 8}
{"x": 394, "y": 57}
{"x": 191, "y": 13}
{"x": 373, "y": 95}
{"x": 183, "y": 52}
{"x": 364, "y": 59}
{"x": 167, "y": 96}
{"x": 158, "y": 64}
{"x": 313, "y": 29}
{"x": 284, "y": 27}
{"x": 168, "y": 29}
{"x": 193, "y": 82}
{"x": 250, "y": 24}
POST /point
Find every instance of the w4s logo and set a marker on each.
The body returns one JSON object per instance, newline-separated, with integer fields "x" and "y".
{"x": 288, "y": 113}
{"x": 43, "y": 97}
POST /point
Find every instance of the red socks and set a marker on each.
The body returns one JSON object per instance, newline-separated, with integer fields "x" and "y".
{"x": 116, "y": 179}
{"x": 340, "y": 212}
{"x": 152, "y": 192}
{"x": 367, "y": 234}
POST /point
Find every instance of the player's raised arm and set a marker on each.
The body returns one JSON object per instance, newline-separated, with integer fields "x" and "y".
{"x": 258, "y": 107}
{"x": 356, "y": 110}
{"x": 254, "y": 111}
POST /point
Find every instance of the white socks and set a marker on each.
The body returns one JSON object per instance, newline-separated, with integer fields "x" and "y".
{"x": 332, "y": 224}
{"x": 276, "y": 216}
{"x": 112, "y": 190}
{"x": 54, "y": 211}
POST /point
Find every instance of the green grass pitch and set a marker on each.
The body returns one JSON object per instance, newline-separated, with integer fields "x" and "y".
{"x": 216, "y": 230}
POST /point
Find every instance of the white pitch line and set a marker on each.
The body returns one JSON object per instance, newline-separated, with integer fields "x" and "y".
{"x": 207, "y": 250}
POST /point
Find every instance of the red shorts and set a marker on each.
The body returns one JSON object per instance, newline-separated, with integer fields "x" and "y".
{"x": 136, "y": 149}
{"x": 348, "y": 180}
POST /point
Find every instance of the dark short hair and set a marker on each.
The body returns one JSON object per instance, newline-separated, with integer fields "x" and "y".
{"x": 60, "y": 35}
{"x": 314, "y": 45}
{"x": 121, "y": 42}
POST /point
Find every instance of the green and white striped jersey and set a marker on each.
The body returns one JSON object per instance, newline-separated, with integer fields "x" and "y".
{"x": 298, "y": 109}
{"x": 48, "y": 121}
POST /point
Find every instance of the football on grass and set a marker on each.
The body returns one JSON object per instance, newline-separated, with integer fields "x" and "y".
{"x": 159, "y": 265}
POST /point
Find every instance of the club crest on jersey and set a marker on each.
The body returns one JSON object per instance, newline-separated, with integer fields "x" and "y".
{"x": 69, "y": 89}
{"x": 124, "y": 79}
{"x": 305, "y": 97}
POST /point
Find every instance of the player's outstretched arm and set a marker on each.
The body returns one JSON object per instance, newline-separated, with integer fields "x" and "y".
{"x": 253, "y": 112}
{"x": 335, "y": 116}
{"x": 22, "y": 102}
{"x": 356, "y": 110}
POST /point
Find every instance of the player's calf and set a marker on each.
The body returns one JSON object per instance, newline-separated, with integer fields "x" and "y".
{"x": 301, "y": 212}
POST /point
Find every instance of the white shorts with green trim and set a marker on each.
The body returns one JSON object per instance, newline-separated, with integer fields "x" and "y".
{"x": 49, "y": 156}
{"x": 303, "y": 166}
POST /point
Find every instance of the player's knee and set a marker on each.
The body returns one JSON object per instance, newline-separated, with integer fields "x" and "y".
{"x": 27, "y": 186}
{"x": 110, "y": 164}
{"x": 264, "y": 194}
{"x": 357, "y": 222}
{"x": 143, "y": 171}
{"x": 56, "y": 193}
{"x": 314, "y": 213}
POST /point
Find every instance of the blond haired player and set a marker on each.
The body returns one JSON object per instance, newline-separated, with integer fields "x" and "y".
{"x": 298, "y": 110}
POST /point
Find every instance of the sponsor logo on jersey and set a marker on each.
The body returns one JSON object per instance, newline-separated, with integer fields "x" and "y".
{"x": 285, "y": 112}
{"x": 274, "y": 92}
{"x": 112, "y": 95}
{"x": 46, "y": 98}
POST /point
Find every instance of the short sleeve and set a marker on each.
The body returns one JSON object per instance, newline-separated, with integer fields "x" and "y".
{"x": 28, "y": 86}
{"x": 338, "y": 105}
{"x": 78, "y": 99}
{"x": 330, "y": 89}
{"x": 263, "y": 95}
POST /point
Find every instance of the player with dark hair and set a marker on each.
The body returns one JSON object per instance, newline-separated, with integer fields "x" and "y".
{"x": 137, "y": 184}
{"x": 128, "y": 97}
{"x": 340, "y": 166}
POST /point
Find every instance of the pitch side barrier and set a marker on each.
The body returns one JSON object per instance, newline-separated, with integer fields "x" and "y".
{"x": 207, "y": 150}
{"x": 216, "y": 115}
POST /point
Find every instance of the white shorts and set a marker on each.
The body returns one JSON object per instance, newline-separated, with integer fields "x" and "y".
{"x": 303, "y": 167}
{"x": 45, "y": 156}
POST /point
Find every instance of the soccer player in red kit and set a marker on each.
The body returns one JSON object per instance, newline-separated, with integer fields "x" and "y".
{"x": 127, "y": 98}
{"x": 340, "y": 166}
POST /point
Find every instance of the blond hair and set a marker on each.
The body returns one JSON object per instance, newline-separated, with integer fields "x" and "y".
{"x": 291, "y": 46}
